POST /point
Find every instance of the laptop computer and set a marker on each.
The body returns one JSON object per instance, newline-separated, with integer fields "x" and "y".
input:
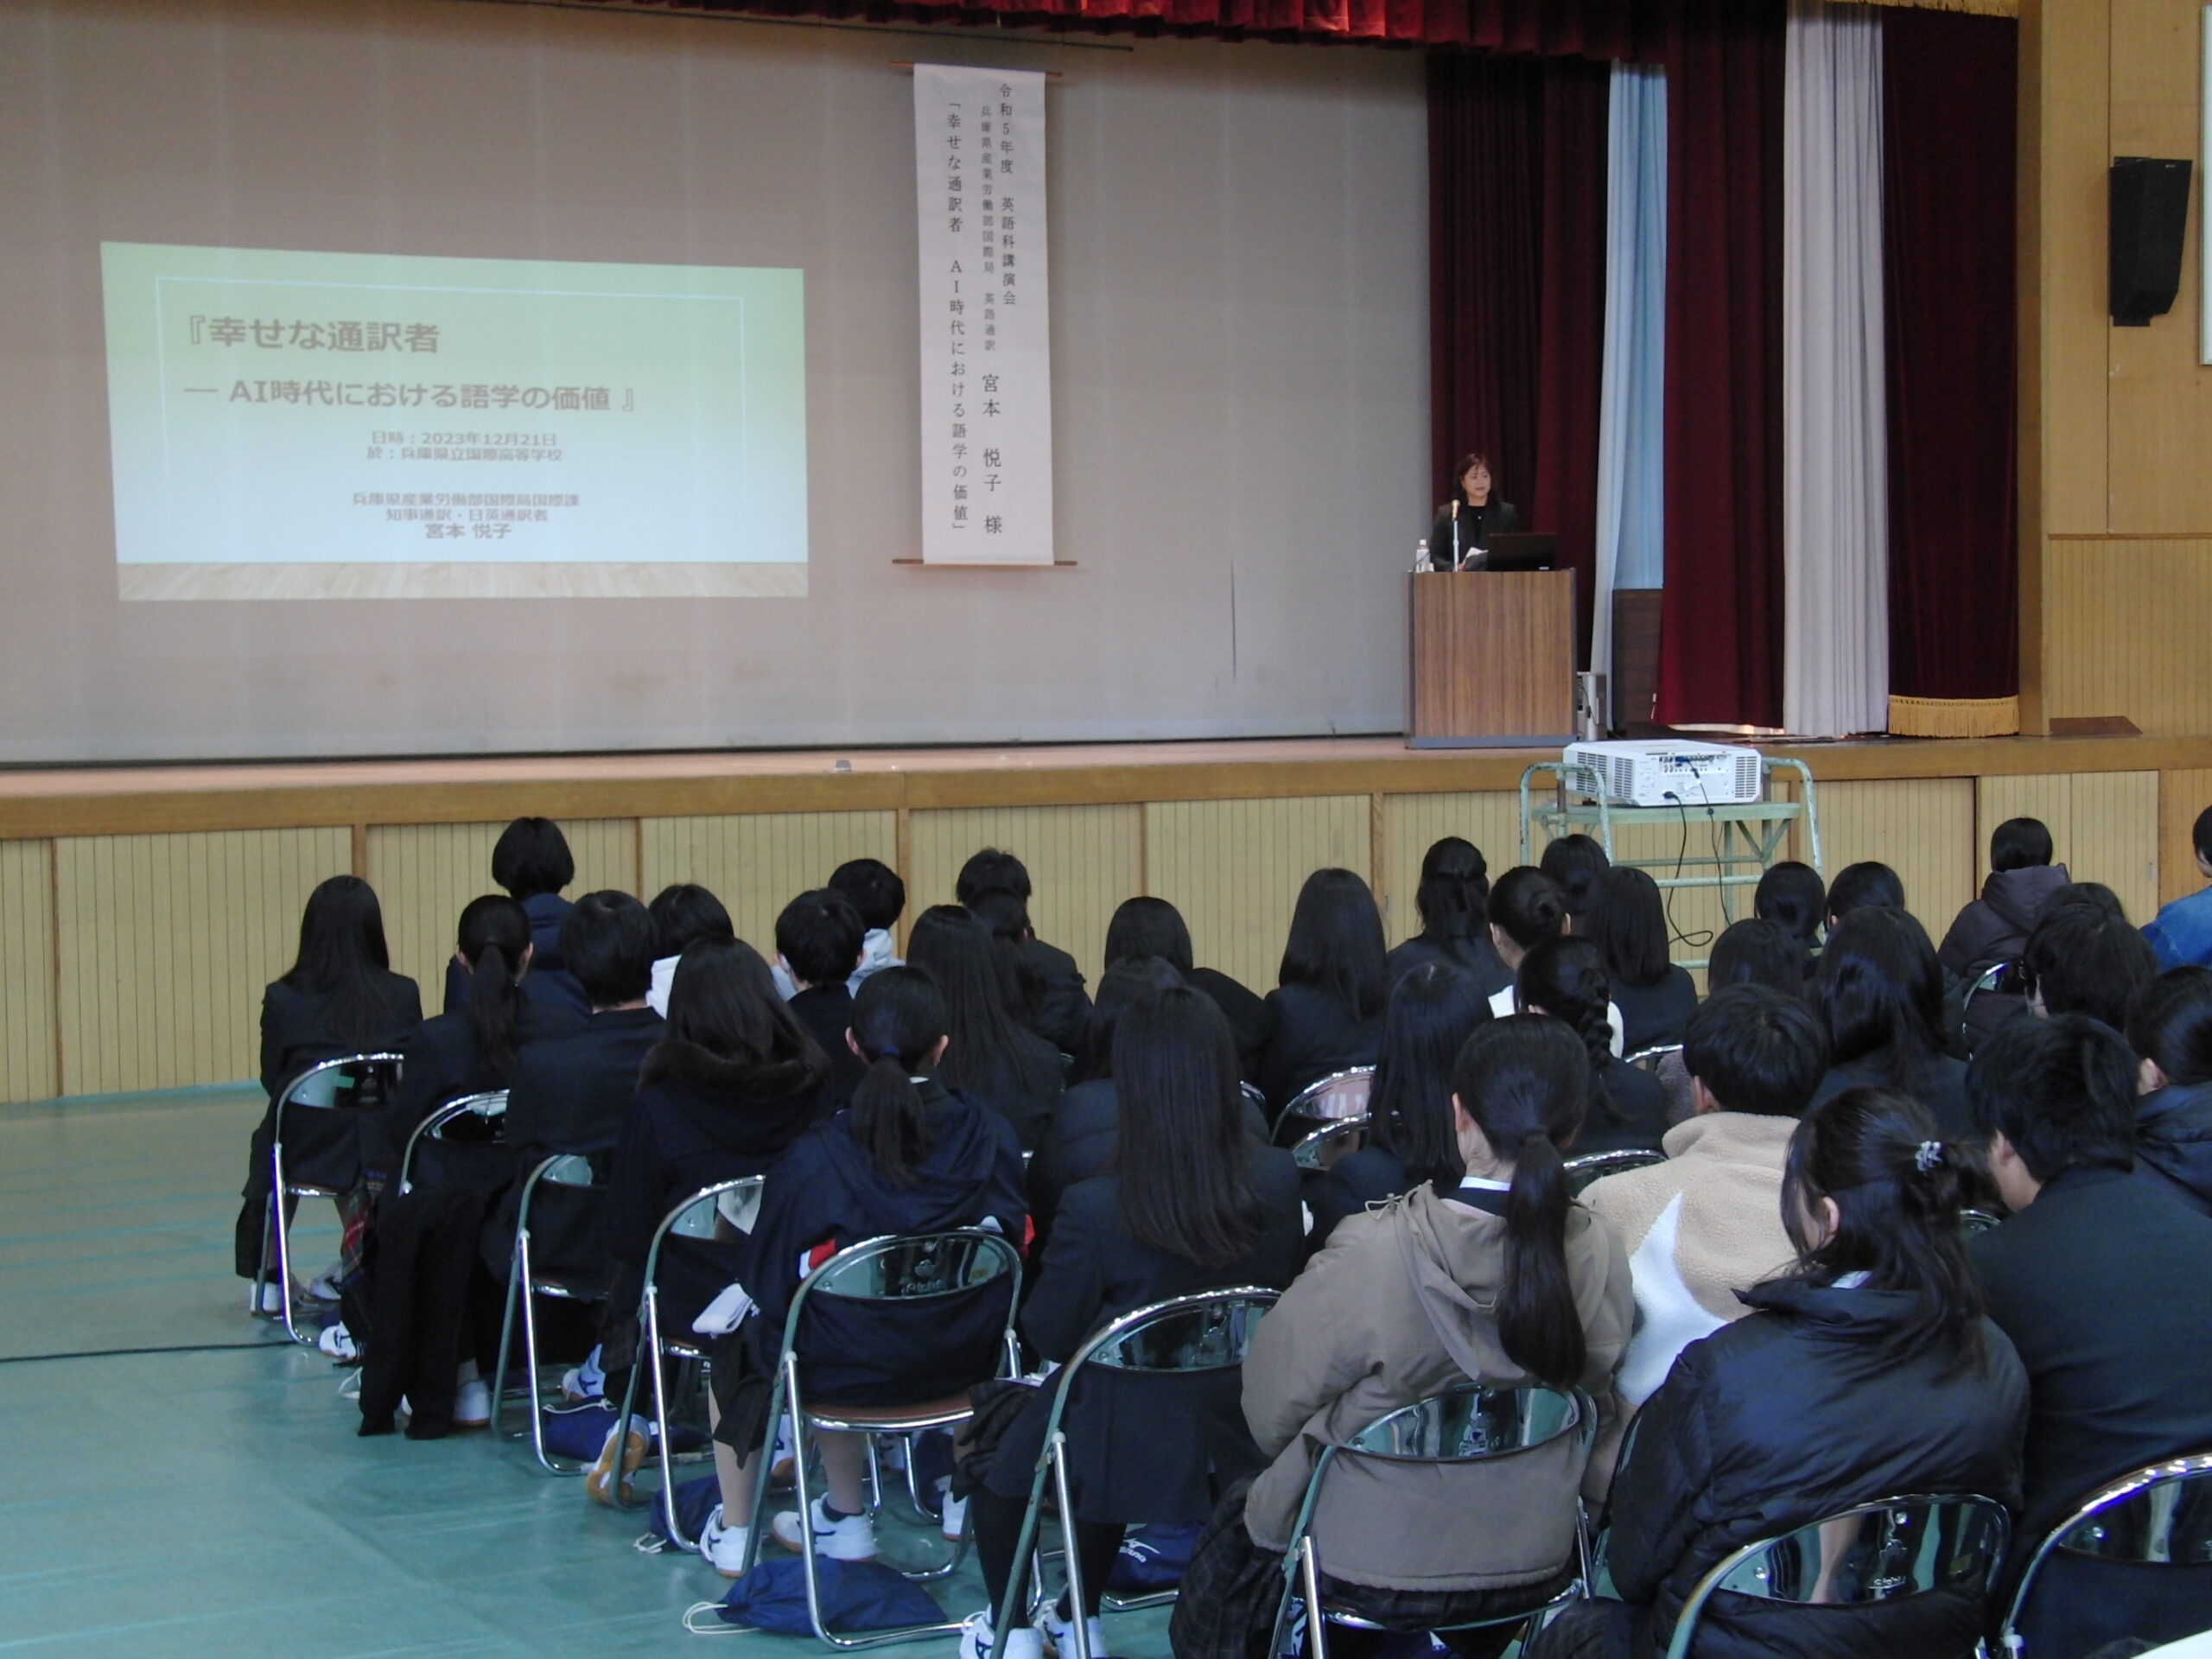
{"x": 1518, "y": 549}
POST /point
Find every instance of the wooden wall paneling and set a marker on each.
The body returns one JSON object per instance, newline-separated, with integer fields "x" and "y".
{"x": 1083, "y": 862}
{"x": 425, "y": 872}
{"x": 2104, "y": 827}
{"x": 756, "y": 864}
{"x": 1922, "y": 827}
{"x": 2182, "y": 795}
{"x": 1234, "y": 869}
{"x": 1412, "y": 823}
{"x": 165, "y": 943}
{"x": 29, "y": 1068}
{"x": 2125, "y": 629}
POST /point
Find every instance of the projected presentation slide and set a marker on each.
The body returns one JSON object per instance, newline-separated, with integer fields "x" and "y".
{"x": 367, "y": 426}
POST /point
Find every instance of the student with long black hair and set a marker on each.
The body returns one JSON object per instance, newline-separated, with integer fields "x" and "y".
{"x": 1526, "y": 910}
{"x": 1879, "y": 991}
{"x": 1146, "y": 926}
{"x": 737, "y": 1078}
{"x": 340, "y": 997}
{"x": 1793, "y": 895}
{"x": 1656, "y": 998}
{"x": 532, "y": 862}
{"x": 1061, "y": 1005}
{"x": 1869, "y": 1370}
{"x": 1576, "y": 864}
{"x": 1498, "y": 1277}
{"x": 1327, "y": 1005}
{"x": 1194, "y": 1203}
{"x": 1454, "y": 901}
{"x": 1409, "y": 1141}
{"x": 907, "y": 1156}
{"x": 994, "y": 1059}
{"x": 2169, "y": 1028}
{"x": 684, "y": 914}
{"x": 1566, "y": 978}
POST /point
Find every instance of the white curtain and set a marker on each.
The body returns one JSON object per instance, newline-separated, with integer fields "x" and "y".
{"x": 1835, "y": 547}
{"x": 1631, "y": 410}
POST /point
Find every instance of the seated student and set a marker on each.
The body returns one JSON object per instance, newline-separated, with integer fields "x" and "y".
{"x": 1656, "y": 998}
{"x": 1194, "y": 1203}
{"x": 1994, "y": 928}
{"x": 995, "y": 1061}
{"x": 1062, "y": 1005}
{"x": 1793, "y": 895}
{"x": 1879, "y": 994}
{"x": 1499, "y": 1278}
{"x": 1707, "y": 1223}
{"x": 2084, "y": 958}
{"x": 1566, "y": 978}
{"x": 1753, "y": 952}
{"x": 338, "y": 997}
{"x": 737, "y": 1078}
{"x": 1153, "y": 927}
{"x": 1525, "y": 909}
{"x": 1868, "y": 1371}
{"x": 2104, "y": 1284}
{"x": 532, "y": 862}
{"x": 1868, "y": 885}
{"x": 1409, "y": 1142}
{"x": 1005, "y": 919}
{"x": 1326, "y": 1008}
{"x": 683, "y": 915}
{"x": 874, "y": 889}
{"x": 907, "y": 1156}
{"x": 2169, "y": 1028}
{"x": 1454, "y": 901}
{"x": 818, "y": 945}
{"x": 1081, "y": 1140}
{"x": 2181, "y": 933}
{"x": 1576, "y": 864}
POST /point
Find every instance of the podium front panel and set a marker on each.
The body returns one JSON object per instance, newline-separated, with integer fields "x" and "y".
{"x": 1491, "y": 659}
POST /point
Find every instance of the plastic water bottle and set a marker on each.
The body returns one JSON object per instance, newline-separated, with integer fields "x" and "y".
{"x": 1422, "y": 565}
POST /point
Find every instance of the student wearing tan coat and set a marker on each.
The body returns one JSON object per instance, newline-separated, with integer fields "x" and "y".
{"x": 1707, "y": 1223}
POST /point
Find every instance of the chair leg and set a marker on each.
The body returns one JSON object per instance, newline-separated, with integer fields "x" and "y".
{"x": 282, "y": 1235}
{"x": 506, "y": 1341}
{"x": 1072, "y": 1564}
{"x": 651, "y": 1356}
{"x": 786, "y": 1376}
{"x": 1317, "y": 1626}
{"x": 530, "y": 1358}
{"x": 1025, "y": 1565}
{"x": 261, "y": 1272}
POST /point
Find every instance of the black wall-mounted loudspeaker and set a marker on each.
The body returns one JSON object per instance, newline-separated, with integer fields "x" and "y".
{"x": 2150, "y": 214}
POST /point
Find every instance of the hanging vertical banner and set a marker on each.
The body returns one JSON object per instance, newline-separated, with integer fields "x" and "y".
{"x": 987, "y": 360}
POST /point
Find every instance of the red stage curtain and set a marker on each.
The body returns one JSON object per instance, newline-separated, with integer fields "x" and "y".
{"x": 1947, "y": 209}
{"x": 1517, "y": 181}
{"x": 1591, "y": 28}
{"x": 1721, "y": 617}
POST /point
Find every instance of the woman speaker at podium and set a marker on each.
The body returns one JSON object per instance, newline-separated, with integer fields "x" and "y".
{"x": 1465, "y": 523}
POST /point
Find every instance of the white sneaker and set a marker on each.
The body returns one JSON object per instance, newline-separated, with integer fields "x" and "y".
{"x": 951, "y": 1512}
{"x": 323, "y": 1287}
{"x": 852, "y": 1539}
{"x": 472, "y": 1404}
{"x": 1058, "y": 1634}
{"x": 976, "y": 1641}
{"x": 724, "y": 1546}
{"x": 338, "y": 1343}
{"x": 584, "y": 1382}
{"x": 272, "y": 1299}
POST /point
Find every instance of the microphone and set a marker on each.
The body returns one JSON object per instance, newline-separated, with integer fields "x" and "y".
{"x": 1455, "y": 532}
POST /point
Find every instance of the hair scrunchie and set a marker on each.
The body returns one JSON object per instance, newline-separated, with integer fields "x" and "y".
{"x": 1929, "y": 1156}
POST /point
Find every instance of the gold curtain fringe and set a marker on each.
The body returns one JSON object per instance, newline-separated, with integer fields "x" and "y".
{"x": 1979, "y": 8}
{"x": 1953, "y": 716}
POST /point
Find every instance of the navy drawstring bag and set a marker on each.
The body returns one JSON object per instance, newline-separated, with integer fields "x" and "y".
{"x": 856, "y": 1596}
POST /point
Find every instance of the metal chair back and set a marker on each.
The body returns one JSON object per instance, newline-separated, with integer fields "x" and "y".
{"x": 1595, "y": 1166}
{"x": 1330, "y": 1142}
{"x": 1650, "y": 1059}
{"x": 1972, "y": 1222}
{"x": 1340, "y": 1096}
{"x": 352, "y": 1083}
{"x": 1209, "y": 1331}
{"x": 1882, "y": 1551}
{"x": 2159, "y": 1515}
{"x": 1462, "y": 1434}
{"x": 471, "y": 1120}
{"x": 1253, "y": 1096}
{"x": 563, "y": 1171}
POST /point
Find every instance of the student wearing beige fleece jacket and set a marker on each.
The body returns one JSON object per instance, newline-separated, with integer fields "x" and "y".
{"x": 1707, "y": 1223}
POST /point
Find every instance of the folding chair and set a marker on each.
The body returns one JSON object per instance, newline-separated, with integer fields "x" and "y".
{"x": 471, "y": 1121}
{"x": 1463, "y": 1434}
{"x": 922, "y": 1267}
{"x": 700, "y": 1218}
{"x": 1595, "y": 1166}
{"x": 1330, "y": 1142}
{"x": 569, "y": 1173}
{"x": 1978, "y": 1220}
{"x": 1650, "y": 1059}
{"x": 2158, "y": 1515}
{"x": 1890, "y": 1550}
{"x": 1340, "y": 1095}
{"x": 354, "y": 1083}
{"x": 1185, "y": 1335}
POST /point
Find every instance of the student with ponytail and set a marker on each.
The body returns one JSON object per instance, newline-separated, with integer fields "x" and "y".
{"x": 1454, "y": 901}
{"x": 907, "y": 1156}
{"x": 1500, "y": 1278}
{"x": 1867, "y": 1370}
{"x": 1566, "y": 978}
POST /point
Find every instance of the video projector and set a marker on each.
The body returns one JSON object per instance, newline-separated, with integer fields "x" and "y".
{"x": 1668, "y": 771}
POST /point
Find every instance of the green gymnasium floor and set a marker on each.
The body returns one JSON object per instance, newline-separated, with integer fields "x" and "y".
{"x": 213, "y": 1499}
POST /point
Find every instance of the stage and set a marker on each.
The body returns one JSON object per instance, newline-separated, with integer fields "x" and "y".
{"x": 142, "y": 909}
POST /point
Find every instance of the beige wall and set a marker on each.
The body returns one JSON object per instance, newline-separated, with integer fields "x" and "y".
{"x": 2116, "y": 424}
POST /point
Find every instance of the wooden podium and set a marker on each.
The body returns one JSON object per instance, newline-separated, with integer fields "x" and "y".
{"x": 1492, "y": 659}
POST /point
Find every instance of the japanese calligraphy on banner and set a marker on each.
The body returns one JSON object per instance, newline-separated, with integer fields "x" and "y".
{"x": 987, "y": 361}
